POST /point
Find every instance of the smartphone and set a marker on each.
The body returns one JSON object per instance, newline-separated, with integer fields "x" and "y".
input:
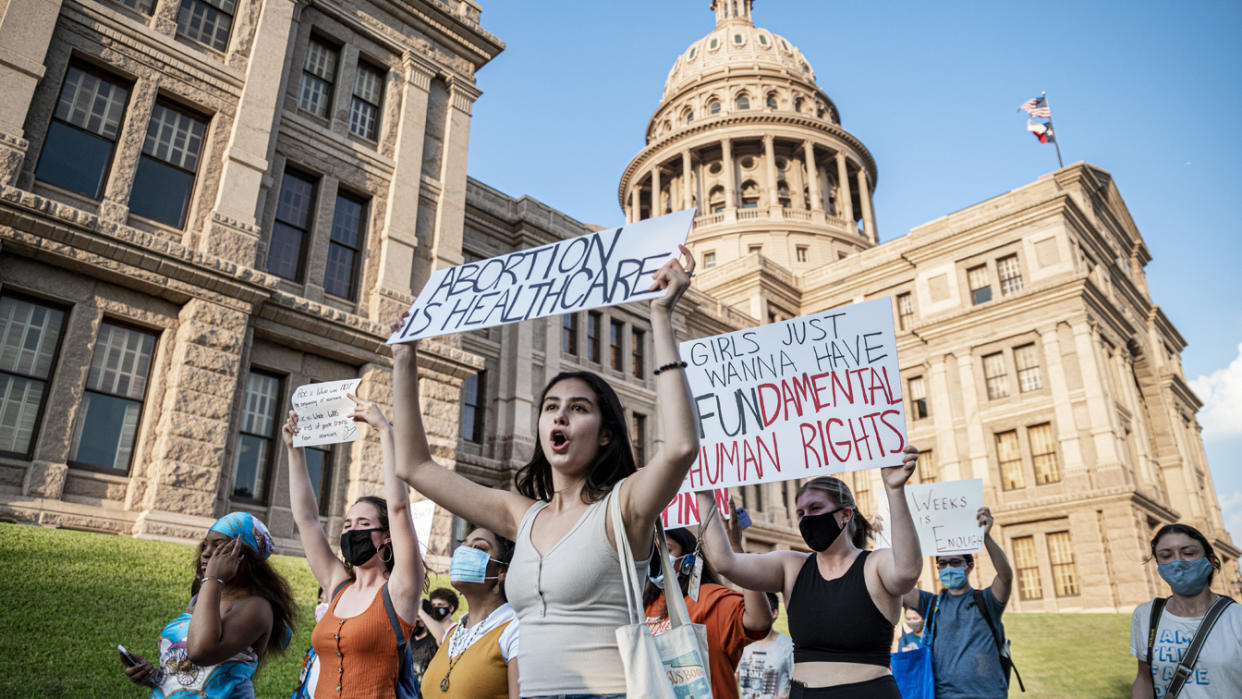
{"x": 126, "y": 656}
{"x": 743, "y": 518}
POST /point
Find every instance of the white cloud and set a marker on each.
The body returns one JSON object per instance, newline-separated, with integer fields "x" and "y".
{"x": 1221, "y": 392}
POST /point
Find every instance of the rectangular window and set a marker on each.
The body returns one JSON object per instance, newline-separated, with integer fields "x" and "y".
{"x": 293, "y": 221}
{"x": 82, "y": 135}
{"x": 980, "y": 284}
{"x": 569, "y": 334}
{"x": 165, "y": 176}
{"x": 29, "y": 344}
{"x": 1027, "y": 360}
{"x": 994, "y": 376}
{"x": 638, "y": 433}
{"x": 709, "y": 260}
{"x": 616, "y": 331}
{"x": 1064, "y": 572}
{"x": 927, "y": 467}
{"x": 800, "y": 253}
{"x": 207, "y": 21}
{"x": 146, "y": 7}
{"x": 1027, "y": 564}
{"x": 1044, "y": 454}
{"x": 753, "y": 249}
{"x": 638, "y": 351}
{"x": 112, "y": 404}
{"x": 593, "y": 319}
{"x": 319, "y": 466}
{"x": 318, "y": 74}
{"x": 364, "y": 108}
{"x": 905, "y": 311}
{"x": 258, "y": 440}
{"x": 1009, "y": 455}
{"x": 918, "y": 398}
{"x": 471, "y": 424}
{"x": 1010, "y": 275}
{"x": 349, "y": 225}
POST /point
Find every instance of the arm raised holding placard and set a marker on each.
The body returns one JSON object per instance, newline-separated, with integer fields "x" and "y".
{"x": 328, "y": 570}
{"x": 1002, "y": 584}
{"x": 899, "y": 570}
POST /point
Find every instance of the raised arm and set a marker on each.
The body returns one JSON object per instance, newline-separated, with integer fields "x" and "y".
{"x": 328, "y": 570}
{"x": 756, "y": 614}
{"x": 645, "y": 495}
{"x": 763, "y": 572}
{"x": 213, "y": 638}
{"x": 899, "y": 568}
{"x": 405, "y": 583}
{"x": 1002, "y": 584}
{"x": 497, "y": 510}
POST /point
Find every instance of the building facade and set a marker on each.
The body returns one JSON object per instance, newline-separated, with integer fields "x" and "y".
{"x": 207, "y": 203}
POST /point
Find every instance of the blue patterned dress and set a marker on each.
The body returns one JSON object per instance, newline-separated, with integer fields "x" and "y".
{"x": 182, "y": 679}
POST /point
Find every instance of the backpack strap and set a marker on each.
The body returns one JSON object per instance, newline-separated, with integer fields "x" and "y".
{"x": 394, "y": 621}
{"x": 1157, "y": 608}
{"x": 1002, "y": 649}
{"x": 344, "y": 584}
{"x": 1187, "y": 665}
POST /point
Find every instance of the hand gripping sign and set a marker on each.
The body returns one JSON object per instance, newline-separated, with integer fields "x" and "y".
{"x": 599, "y": 269}
{"x": 811, "y": 396}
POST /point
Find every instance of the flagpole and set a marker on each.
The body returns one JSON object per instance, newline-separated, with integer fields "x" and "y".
{"x": 1055, "y": 140}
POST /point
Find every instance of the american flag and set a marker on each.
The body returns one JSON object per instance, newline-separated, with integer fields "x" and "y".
{"x": 1037, "y": 107}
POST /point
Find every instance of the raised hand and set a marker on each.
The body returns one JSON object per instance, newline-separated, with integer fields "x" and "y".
{"x": 368, "y": 412}
{"x": 674, "y": 276}
{"x": 985, "y": 520}
{"x": 225, "y": 560}
{"x": 402, "y": 350}
{"x": 289, "y": 429}
{"x": 896, "y": 476}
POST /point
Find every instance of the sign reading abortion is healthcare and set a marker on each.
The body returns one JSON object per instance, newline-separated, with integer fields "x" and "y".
{"x": 599, "y": 269}
{"x": 806, "y": 397}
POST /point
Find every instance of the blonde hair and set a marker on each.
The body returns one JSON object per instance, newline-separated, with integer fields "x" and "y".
{"x": 841, "y": 496}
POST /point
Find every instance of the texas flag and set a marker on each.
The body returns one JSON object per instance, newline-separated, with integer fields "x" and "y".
{"x": 1041, "y": 130}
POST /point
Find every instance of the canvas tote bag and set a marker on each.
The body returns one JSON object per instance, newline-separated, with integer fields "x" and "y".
{"x": 672, "y": 665}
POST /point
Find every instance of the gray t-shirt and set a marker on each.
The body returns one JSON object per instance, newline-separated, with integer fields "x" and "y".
{"x": 766, "y": 669}
{"x": 965, "y": 660}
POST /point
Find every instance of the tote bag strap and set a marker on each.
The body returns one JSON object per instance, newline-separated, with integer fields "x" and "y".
{"x": 629, "y": 574}
{"x": 678, "y": 615}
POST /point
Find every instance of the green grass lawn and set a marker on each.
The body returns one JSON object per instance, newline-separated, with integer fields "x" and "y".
{"x": 68, "y": 598}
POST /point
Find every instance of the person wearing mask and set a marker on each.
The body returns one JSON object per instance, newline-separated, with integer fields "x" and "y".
{"x": 444, "y": 603}
{"x": 966, "y": 660}
{"x": 912, "y": 632}
{"x": 860, "y": 590}
{"x": 354, "y": 640}
{"x": 478, "y": 659}
{"x": 733, "y": 619}
{"x": 1186, "y": 561}
{"x": 766, "y": 668}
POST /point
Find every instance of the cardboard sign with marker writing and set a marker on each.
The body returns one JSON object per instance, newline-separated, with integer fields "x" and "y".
{"x": 323, "y": 413}
{"x": 811, "y": 396}
{"x": 946, "y": 517}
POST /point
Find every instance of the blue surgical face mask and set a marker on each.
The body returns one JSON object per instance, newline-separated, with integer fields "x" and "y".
{"x": 953, "y": 577}
{"x": 681, "y": 565}
{"x": 1187, "y": 578}
{"x": 469, "y": 565}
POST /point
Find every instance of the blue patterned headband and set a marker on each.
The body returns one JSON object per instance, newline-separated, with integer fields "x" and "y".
{"x": 252, "y": 532}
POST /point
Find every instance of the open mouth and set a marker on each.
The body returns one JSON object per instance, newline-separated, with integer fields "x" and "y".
{"x": 559, "y": 441}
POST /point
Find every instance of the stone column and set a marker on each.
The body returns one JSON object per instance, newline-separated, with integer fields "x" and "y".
{"x": 946, "y": 455}
{"x": 812, "y": 174}
{"x": 868, "y": 216}
{"x": 451, "y": 211}
{"x": 726, "y": 149}
{"x": 397, "y": 238}
{"x": 769, "y": 155}
{"x": 233, "y": 232}
{"x": 25, "y": 33}
{"x": 1069, "y": 450}
{"x": 1102, "y": 428}
{"x": 633, "y": 210}
{"x": 656, "y": 208}
{"x": 975, "y": 465}
{"x": 843, "y": 182}
{"x": 687, "y": 196}
{"x": 515, "y": 402}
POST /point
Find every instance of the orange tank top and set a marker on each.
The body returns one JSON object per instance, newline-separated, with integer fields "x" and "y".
{"x": 357, "y": 654}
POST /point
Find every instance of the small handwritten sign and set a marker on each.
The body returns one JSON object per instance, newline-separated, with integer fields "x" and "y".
{"x": 598, "y": 269}
{"x": 946, "y": 516}
{"x": 810, "y": 396}
{"x": 683, "y": 511}
{"x": 323, "y": 413}
{"x": 423, "y": 513}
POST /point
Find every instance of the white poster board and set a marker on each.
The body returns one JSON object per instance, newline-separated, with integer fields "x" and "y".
{"x": 683, "y": 511}
{"x": 423, "y": 513}
{"x": 811, "y": 396}
{"x": 323, "y": 413}
{"x": 598, "y": 269}
{"x": 946, "y": 517}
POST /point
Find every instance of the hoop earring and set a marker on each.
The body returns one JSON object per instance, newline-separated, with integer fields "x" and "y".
{"x": 388, "y": 548}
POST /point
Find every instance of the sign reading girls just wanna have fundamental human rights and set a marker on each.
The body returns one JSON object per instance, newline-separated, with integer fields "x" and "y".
{"x": 603, "y": 268}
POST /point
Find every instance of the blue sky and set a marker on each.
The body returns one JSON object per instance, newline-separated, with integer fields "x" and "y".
{"x": 1145, "y": 90}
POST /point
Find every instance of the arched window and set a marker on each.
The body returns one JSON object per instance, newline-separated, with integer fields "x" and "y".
{"x": 771, "y": 101}
{"x": 714, "y": 107}
{"x": 782, "y": 193}
{"x": 750, "y": 195}
{"x": 716, "y": 199}
{"x": 798, "y": 105}
{"x": 743, "y": 102}
{"x": 687, "y": 115}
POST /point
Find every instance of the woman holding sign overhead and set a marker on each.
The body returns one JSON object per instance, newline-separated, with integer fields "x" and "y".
{"x": 382, "y": 573}
{"x": 564, "y": 581}
{"x": 843, "y": 600}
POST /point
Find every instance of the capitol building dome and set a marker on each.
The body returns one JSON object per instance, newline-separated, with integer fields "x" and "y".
{"x": 744, "y": 134}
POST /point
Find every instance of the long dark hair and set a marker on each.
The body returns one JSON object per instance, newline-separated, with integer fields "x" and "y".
{"x": 256, "y": 576}
{"x": 687, "y": 542}
{"x": 840, "y": 494}
{"x": 613, "y": 461}
{"x": 1179, "y": 528}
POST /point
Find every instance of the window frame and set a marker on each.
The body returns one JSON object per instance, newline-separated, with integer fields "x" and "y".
{"x": 228, "y": 38}
{"x": 638, "y": 437}
{"x": 594, "y": 341}
{"x": 274, "y": 439}
{"x": 364, "y": 64}
{"x": 1008, "y": 484}
{"x": 178, "y": 108}
{"x": 919, "y": 409}
{"x": 569, "y": 335}
{"x": 1000, "y": 381}
{"x": 905, "y": 310}
{"x": 315, "y": 181}
{"x": 1012, "y": 284}
{"x": 99, "y": 74}
{"x": 479, "y": 407}
{"x": 1023, "y": 593}
{"x": 330, "y": 95}
{"x": 37, "y": 428}
{"x": 324, "y": 497}
{"x": 638, "y": 351}
{"x": 975, "y": 292}
{"x": 1055, "y": 471}
{"x": 364, "y": 203}
{"x": 1072, "y": 564}
{"x": 1031, "y": 351}
{"x": 616, "y": 342}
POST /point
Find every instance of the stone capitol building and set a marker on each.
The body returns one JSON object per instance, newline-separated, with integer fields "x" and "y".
{"x": 205, "y": 204}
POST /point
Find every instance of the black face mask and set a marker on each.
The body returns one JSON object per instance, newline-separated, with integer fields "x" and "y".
{"x": 819, "y": 531}
{"x": 440, "y": 613}
{"x": 356, "y": 546}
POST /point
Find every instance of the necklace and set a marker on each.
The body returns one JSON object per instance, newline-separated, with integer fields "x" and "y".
{"x": 457, "y": 650}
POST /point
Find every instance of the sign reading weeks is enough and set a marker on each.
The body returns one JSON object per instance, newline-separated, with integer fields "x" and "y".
{"x": 324, "y": 411}
{"x": 599, "y": 269}
{"x": 946, "y": 517}
{"x": 806, "y": 397}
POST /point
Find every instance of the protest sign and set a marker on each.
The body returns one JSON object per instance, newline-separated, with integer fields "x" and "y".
{"x": 603, "y": 268}
{"x": 423, "y": 513}
{"x": 683, "y": 511}
{"x": 323, "y": 413}
{"x": 946, "y": 517}
{"x": 811, "y": 396}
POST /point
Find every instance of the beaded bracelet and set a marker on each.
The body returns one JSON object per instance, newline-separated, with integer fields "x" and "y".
{"x": 205, "y": 580}
{"x": 666, "y": 367}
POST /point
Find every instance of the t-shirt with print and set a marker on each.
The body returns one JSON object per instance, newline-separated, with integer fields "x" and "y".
{"x": 965, "y": 659}
{"x": 1218, "y": 673}
{"x": 766, "y": 669}
{"x": 720, "y": 610}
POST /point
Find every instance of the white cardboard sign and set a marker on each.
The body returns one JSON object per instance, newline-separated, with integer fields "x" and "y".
{"x": 323, "y": 413}
{"x": 811, "y": 396}
{"x": 423, "y": 513}
{"x": 598, "y": 269}
{"x": 683, "y": 511}
{"x": 946, "y": 516}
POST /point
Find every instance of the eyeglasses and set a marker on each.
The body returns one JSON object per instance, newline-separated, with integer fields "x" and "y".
{"x": 951, "y": 563}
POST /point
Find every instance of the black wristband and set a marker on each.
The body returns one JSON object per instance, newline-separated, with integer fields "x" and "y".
{"x": 666, "y": 367}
